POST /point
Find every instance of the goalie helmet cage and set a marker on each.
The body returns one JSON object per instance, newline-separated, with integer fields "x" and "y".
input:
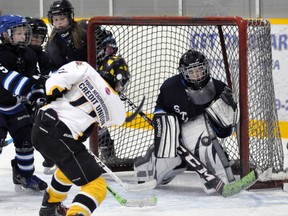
{"x": 239, "y": 53}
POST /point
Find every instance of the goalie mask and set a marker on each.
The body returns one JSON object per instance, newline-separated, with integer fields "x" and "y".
{"x": 115, "y": 71}
{"x": 63, "y": 7}
{"x": 194, "y": 69}
{"x": 15, "y": 30}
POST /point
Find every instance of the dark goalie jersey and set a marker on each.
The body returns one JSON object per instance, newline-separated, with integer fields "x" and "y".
{"x": 173, "y": 98}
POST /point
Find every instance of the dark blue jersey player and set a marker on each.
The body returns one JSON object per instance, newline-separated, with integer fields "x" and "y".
{"x": 15, "y": 35}
{"x": 192, "y": 109}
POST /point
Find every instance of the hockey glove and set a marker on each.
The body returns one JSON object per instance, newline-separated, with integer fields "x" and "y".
{"x": 36, "y": 99}
{"x": 227, "y": 97}
{"x": 36, "y": 105}
{"x": 35, "y": 93}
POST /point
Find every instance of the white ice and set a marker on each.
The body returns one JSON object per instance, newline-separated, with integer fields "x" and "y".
{"x": 183, "y": 196}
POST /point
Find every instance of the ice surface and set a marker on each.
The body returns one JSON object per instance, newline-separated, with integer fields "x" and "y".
{"x": 184, "y": 196}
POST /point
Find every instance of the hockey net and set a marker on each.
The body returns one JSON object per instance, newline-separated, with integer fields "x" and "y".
{"x": 239, "y": 53}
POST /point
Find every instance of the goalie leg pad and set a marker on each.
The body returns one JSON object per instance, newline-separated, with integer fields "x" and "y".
{"x": 164, "y": 169}
{"x": 205, "y": 146}
{"x": 149, "y": 167}
{"x": 166, "y": 135}
{"x": 160, "y": 169}
{"x": 221, "y": 156}
{"x": 144, "y": 166}
{"x": 160, "y": 160}
{"x": 194, "y": 135}
{"x": 172, "y": 174}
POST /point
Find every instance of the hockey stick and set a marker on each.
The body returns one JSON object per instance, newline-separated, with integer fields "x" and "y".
{"x": 131, "y": 104}
{"x": 7, "y": 142}
{"x": 137, "y": 111}
{"x": 212, "y": 181}
{"x": 130, "y": 187}
{"x": 146, "y": 201}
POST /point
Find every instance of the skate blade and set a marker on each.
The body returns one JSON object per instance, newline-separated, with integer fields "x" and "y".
{"x": 20, "y": 189}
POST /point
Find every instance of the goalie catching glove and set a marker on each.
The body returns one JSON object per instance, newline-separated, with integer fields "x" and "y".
{"x": 224, "y": 110}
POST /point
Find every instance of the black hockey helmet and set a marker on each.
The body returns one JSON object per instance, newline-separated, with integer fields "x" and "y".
{"x": 194, "y": 68}
{"x": 61, "y": 7}
{"x": 115, "y": 71}
{"x": 109, "y": 45}
{"x": 106, "y": 45}
{"x": 38, "y": 27}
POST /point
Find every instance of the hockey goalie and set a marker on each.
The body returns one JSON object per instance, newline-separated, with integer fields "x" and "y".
{"x": 192, "y": 110}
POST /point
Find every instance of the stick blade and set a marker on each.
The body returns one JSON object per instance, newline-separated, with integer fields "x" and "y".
{"x": 144, "y": 202}
{"x": 137, "y": 111}
{"x": 239, "y": 185}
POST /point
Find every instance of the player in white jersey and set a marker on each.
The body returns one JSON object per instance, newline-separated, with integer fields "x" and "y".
{"x": 78, "y": 98}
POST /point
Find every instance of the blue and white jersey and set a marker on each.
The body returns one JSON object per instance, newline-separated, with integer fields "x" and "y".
{"x": 13, "y": 87}
{"x": 18, "y": 65}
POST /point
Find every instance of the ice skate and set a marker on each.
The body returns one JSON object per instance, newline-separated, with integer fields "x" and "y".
{"x": 52, "y": 209}
{"x": 3, "y": 143}
{"x": 49, "y": 168}
{"x": 21, "y": 183}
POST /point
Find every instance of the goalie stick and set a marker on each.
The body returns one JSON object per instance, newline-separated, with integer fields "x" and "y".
{"x": 212, "y": 181}
{"x": 146, "y": 201}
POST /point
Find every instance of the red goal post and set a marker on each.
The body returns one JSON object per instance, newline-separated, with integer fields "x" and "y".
{"x": 239, "y": 53}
